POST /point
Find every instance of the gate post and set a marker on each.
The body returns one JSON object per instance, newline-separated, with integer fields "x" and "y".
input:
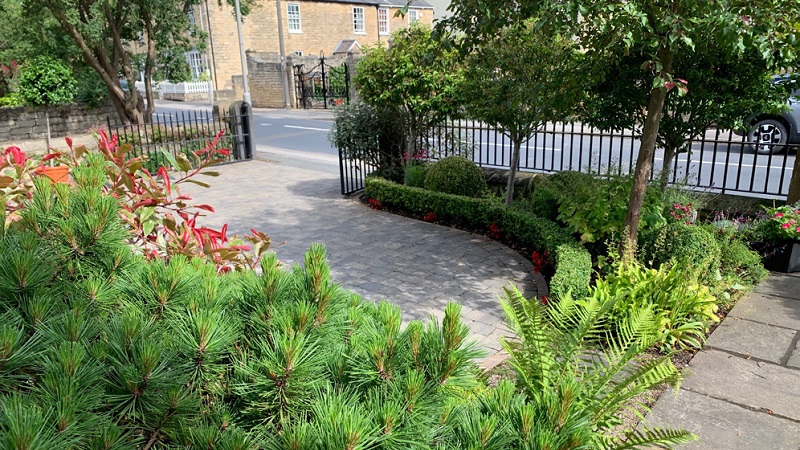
{"x": 324, "y": 82}
{"x": 291, "y": 82}
{"x": 246, "y": 115}
{"x": 346, "y": 82}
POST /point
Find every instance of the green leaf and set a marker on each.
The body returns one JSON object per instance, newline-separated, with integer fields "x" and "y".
{"x": 171, "y": 159}
{"x": 183, "y": 163}
{"x": 199, "y": 183}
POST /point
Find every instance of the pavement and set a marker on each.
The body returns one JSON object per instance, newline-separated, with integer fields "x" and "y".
{"x": 417, "y": 265}
{"x": 742, "y": 390}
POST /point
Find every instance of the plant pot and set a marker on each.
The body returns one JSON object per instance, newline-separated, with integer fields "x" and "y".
{"x": 786, "y": 258}
{"x": 59, "y": 174}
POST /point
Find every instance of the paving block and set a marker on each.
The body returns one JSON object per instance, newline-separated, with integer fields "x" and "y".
{"x": 794, "y": 359}
{"x": 722, "y": 425}
{"x": 750, "y": 338}
{"x": 781, "y": 311}
{"x": 781, "y": 285}
{"x": 753, "y": 384}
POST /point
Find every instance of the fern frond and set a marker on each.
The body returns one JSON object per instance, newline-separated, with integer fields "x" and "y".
{"x": 650, "y": 437}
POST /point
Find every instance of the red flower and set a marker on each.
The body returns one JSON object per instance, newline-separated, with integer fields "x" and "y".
{"x": 544, "y": 299}
{"x": 494, "y": 231}
{"x": 374, "y": 203}
{"x": 430, "y": 217}
{"x": 17, "y": 154}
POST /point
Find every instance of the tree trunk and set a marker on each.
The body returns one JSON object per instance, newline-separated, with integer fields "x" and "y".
{"x": 666, "y": 171}
{"x": 512, "y": 173}
{"x": 644, "y": 162}
{"x": 47, "y": 124}
{"x": 794, "y": 185}
{"x": 411, "y": 150}
{"x": 96, "y": 60}
{"x": 149, "y": 64}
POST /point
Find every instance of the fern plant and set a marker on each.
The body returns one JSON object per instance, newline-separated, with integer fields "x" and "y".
{"x": 558, "y": 358}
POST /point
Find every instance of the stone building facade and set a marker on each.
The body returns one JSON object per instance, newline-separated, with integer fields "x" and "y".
{"x": 310, "y": 28}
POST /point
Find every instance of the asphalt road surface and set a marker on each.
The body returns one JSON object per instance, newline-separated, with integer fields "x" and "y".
{"x": 287, "y": 130}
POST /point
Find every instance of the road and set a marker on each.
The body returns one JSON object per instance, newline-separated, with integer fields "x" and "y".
{"x": 718, "y": 162}
{"x": 286, "y": 130}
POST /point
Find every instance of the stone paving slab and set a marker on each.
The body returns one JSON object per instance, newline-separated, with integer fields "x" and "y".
{"x": 417, "y": 265}
{"x": 780, "y": 285}
{"x": 794, "y": 358}
{"x": 768, "y": 309}
{"x": 721, "y": 425}
{"x": 752, "y": 339}
{"x": 753, "y": 384}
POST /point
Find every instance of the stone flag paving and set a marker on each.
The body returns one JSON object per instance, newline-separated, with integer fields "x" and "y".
{"x": 742, "y": 390}
{"x": 417, "y": 265}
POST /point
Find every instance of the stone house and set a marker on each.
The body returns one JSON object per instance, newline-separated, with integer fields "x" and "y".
{"x": 309, "y": 28}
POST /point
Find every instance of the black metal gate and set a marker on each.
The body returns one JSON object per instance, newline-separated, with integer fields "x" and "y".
{"x": 352, "y": 172}
{"x": 324, "y": 86}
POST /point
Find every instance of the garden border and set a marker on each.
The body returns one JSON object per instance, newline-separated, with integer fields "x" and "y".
{"x": 571, "y": 260}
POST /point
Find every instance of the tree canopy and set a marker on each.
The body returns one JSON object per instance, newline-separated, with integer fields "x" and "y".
{"x": 519, "y": 80}
{"x": 414, "y": 75}
{"x": 724, "y": 90}
{"x": 608, "y": 30}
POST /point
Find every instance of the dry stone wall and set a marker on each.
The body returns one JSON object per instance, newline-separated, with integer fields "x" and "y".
{"x": 29, "y": 123}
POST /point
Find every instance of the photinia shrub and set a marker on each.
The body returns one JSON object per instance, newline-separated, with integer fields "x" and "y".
{"x": 161, "y": 219}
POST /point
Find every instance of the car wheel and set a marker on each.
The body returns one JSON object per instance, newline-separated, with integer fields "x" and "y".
{"x": 768, "y": 136}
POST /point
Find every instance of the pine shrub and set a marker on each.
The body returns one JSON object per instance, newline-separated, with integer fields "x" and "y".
{"x": 456, "y": 175}
{"x": 101, "y": 348}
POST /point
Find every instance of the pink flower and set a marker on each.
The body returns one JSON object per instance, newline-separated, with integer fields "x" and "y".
{"x": 797, "y": 230}
{"x": 778, "y": 215}
{"x": 785, "y": 226}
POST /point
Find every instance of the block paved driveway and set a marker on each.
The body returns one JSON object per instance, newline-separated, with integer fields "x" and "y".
{"x": 416, "y": 265}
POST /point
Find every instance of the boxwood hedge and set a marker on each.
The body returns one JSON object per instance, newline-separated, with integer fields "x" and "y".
{"x": 572, "y": 262}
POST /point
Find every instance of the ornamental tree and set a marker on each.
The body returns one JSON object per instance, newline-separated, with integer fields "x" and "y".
{"x": 415, "y": 76}
{"x": 519, "y": 80}
{"x": 724, "y": 90}
{"x": 607, "y": 30}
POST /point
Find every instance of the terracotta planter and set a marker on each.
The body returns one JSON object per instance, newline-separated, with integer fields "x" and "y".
{"x": 785, "y": 259}
{"x": 59, "y": 174}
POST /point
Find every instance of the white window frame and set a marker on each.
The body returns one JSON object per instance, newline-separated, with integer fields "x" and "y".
{"x": 383, "y": 22}
{"x": 359, "y": 10}
{"x": 196, "y": 65}
{"x": 413, "y": 16}
{"x": 293, "y": 17}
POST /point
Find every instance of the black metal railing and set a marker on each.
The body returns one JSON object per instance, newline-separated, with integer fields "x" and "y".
{"x": 184, "y": 132}
{"x": 352, "y": 173}
{"x": 718, "y": 161}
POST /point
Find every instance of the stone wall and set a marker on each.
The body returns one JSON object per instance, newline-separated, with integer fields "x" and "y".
{"x": 29, "y": 123}
{"x": 266, "y": 78}
{"x": 323, "y": 26}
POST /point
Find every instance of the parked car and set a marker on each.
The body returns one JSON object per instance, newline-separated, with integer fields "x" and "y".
{"x": 774, "y": 133}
